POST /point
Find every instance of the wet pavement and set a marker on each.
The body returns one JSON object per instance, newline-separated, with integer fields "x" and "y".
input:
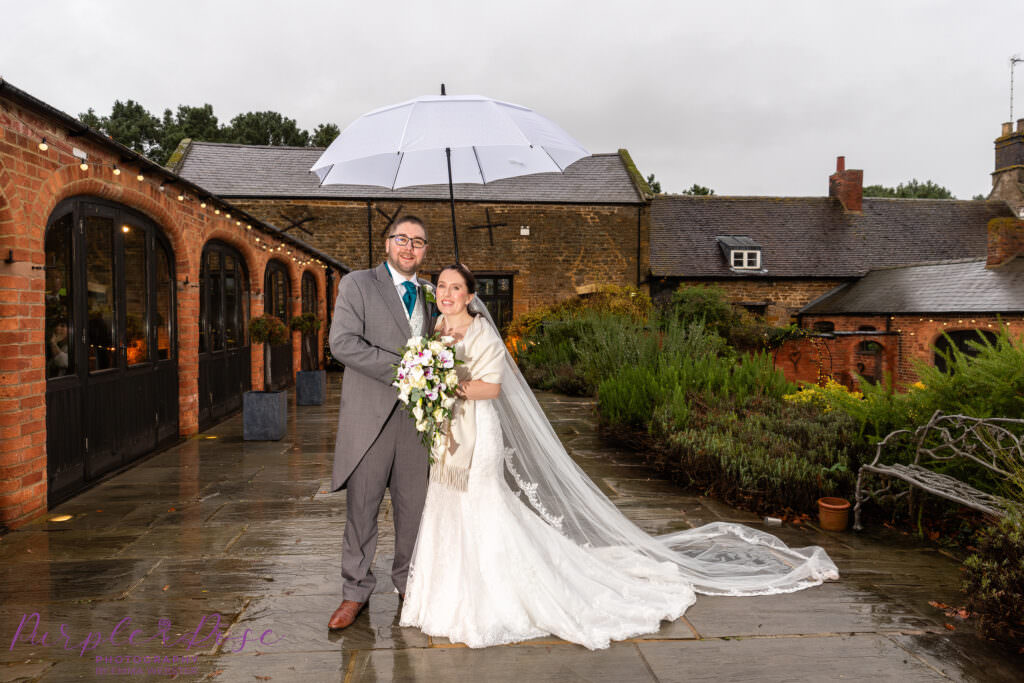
{"x": 219, "y": 560}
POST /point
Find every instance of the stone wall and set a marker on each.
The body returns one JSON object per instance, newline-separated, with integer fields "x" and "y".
{"x": 568, "y": 248}
{"x": 783, "y": 298}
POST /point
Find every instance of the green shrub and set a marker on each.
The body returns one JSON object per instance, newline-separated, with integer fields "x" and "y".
{"x": 994, "y": 581}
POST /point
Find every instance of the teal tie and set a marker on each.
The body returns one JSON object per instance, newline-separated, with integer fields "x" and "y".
{"x": 409, "y": 298}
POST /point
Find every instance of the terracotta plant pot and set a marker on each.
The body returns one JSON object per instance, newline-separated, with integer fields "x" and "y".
{"x": 833, "y": 513}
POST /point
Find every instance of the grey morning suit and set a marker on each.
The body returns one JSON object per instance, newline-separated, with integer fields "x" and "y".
{"x": 377, "y": 445}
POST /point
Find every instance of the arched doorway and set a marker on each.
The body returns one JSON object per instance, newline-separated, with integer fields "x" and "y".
{"x": 309, "y": 305}
{"x": 110, "y": 342}
{"x": 961, "y": 341}
{"x": 224, "y": 366}
{"x": 277, "y": 287}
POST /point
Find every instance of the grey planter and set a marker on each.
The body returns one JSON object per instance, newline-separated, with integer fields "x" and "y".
{"x": 310, "y": 387}
{"x": 264, "y": 415}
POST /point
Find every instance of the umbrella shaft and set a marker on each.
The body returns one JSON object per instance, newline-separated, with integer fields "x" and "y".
{"x": 451, "y": 197}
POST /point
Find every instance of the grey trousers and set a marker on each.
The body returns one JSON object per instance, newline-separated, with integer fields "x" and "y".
{"x": 398, "y": 461}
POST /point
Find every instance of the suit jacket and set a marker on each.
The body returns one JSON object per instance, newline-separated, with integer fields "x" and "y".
{"x": 369, "y": 326}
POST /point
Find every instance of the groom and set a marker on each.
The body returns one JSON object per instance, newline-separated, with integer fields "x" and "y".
{"x": 377, "y": 445}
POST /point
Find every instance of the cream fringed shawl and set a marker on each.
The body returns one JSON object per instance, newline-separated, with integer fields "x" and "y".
{"x": 482, "y": 352}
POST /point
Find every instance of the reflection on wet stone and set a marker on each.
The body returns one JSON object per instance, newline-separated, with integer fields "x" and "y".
{"x": 251, "y": 532}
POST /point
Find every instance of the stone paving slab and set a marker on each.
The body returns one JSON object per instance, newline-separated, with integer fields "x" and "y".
{"x": 250, "y": 531}
{"x": 830, "y": 658}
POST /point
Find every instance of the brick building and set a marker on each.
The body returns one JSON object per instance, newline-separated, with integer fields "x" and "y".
{"x": 125, "y": 292}
{"x": 881, "y": 324}
{"x": 774, "y": 255}
{"x": 531, "y": 240}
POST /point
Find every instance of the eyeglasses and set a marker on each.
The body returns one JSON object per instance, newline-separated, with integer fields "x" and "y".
{"x": 405, "y": 240}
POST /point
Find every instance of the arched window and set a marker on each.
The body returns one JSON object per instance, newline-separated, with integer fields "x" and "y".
{"x": 109, "y": 341}
{"x": 309, "y": 305}
{"x": 224, "y": 372}
{"x": 277, "y": 289}
{"x": 961, "y": 340}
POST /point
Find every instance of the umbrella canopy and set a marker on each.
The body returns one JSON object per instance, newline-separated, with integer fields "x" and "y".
{"x": 446, "y": 139}
{"x": 404, "y": 144}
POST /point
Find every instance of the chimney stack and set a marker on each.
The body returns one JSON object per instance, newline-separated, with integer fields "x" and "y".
{"x": 847, "y": 186}
{"x": 1005, "y": 241}
{"x": 1008, "y": 176}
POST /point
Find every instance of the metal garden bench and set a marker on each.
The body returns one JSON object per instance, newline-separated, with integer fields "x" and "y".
{"x": 993, "y": 443}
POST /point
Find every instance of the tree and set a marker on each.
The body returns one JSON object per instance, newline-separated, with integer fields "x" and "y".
{"x": 129, "y": 123}
{"x": 655, "y": 185}
{"x": 133, "y": 126}
{"x": 265, "y": 128}
{"x": 324, "y": 135}
{"x": 696, "y": 189}
{"x": 198, "y": 123}
{"x": 914, "y": 189}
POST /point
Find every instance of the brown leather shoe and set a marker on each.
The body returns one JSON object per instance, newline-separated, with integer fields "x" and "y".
{"x": 345, "y": 614}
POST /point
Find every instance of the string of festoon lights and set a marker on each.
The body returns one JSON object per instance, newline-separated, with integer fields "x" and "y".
{"x": 274, "y": 246}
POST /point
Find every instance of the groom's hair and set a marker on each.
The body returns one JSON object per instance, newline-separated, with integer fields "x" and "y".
{"x": 407, "y": 219}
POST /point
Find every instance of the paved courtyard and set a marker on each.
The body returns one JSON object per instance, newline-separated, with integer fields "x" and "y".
{"x": 219, "y": 560}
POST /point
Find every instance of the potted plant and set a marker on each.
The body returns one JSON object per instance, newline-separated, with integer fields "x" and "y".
{"x": 310, "y": 384}
{"x": 833, "y": 513}
{"x": 265, "y": 413}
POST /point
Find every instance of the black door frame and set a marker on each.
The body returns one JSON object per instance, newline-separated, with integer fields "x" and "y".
{"x": 281, "y": 354}
{"x": 224, "y": 374}
{"x": 101, "y": 421}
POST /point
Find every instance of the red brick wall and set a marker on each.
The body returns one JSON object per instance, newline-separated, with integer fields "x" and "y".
{"x": 569, "y": 246}
{"x": 914, "y": 340}
{"x": 32, "y": 183}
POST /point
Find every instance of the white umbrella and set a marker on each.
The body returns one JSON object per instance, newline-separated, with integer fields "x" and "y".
{"x": 446, "y": 139}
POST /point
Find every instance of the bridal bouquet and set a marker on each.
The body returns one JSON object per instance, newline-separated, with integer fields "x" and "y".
{"x": 426, "y": 383}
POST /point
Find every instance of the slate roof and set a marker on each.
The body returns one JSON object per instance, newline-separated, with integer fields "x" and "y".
{"x": 250, "y": 171}
{"x": 812, "y": 237}
{"x": 964, "y": 286}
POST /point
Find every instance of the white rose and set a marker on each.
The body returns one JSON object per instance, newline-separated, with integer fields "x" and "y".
{"x": 422, "y": 426}
{"x": 436, "y": 347}
{"x": 438, "y": 415}
{"x": 420, "y": 383}
{"x": 448, "y": 402}
{"x": 451, "y": 378}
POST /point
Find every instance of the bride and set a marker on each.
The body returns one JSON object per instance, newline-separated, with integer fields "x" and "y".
{"x": 516, "y": 542}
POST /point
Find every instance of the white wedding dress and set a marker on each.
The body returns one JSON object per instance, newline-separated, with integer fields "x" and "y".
{"x": 532, "y": 548}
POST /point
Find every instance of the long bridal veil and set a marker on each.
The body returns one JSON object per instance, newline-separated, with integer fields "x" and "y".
{"x": 718, "y": 559}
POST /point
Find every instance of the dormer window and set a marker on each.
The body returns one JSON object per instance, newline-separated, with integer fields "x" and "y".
{"x": 741, "y": 252}
{"x": 745, "y": 259}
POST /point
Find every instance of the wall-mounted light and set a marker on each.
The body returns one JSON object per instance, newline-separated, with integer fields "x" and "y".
{"x": 202, "y": 204}
{"x": 126, "y": 228}
{"x": 140, "y": 177}
{"x": 181, "y": 197}
{"x": 162, "y": 187}
{"x": 43, "y": 146}
{"x": 217, "y": 211}
{"x": 117, "y": 171}
{"x": 84, "y": 165}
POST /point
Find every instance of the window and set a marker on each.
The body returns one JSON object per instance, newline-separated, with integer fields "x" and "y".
{"x": 824, "y": 326}
{"x": 745, "y": 259}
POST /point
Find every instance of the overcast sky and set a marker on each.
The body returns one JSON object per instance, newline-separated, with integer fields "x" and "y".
{"x": 749, "y": 98}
